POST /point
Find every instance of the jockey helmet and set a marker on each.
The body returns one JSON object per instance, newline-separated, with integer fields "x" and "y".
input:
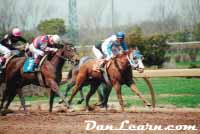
{"x": 56, "y": 39}
{"x": 120, "y": 35}
{"x": 16, "y": 32}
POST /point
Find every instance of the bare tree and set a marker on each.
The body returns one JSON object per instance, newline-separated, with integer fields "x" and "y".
{"x": 7, "y": 10}
{"x": 165, "y": 16}
{"x": 91, "y": 20}
{"x": 191, "y": 11}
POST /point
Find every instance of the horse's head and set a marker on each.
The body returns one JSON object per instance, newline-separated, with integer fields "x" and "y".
{"x": 69, "y": 53}
{"x": 135, "y": 59}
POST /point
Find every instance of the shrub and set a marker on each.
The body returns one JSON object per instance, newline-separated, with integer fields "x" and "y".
{"x": 52, "y": 26}
{"x": 153, "y": 47}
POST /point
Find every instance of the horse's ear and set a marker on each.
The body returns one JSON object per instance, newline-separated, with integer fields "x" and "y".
{"x": 130, "y": 49}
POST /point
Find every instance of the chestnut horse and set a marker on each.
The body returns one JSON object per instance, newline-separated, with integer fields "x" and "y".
{"x": 119, "y": 72}
{"x": 51, "y": 73}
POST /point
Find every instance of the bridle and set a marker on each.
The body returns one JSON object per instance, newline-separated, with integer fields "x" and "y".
{"x": 66, "y": 58}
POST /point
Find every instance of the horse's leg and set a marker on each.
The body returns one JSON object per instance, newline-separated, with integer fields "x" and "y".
{"x": 136, "y": 91}
{"x": 93, "y": 88}
{"x": 82, "y": 96}
{"x": 4, "y": 97}
{"x": 107, "y": 91}
{"x": 68, "y": 87}
{"x": 54, "y": 87}
{"x": 10, "y": 98}
{"x": 100, "y": 92}
{"x": 51, "y": 99}
{"x": 79, "y": 84}
{"x": 74, "y": 91}
{"x": 22, "y": 99}
{"x": 117, "y": 88}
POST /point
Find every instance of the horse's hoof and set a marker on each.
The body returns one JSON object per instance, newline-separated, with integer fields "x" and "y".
{"x": 71, "y": 110}
{"x": 80, "y": 101}
{"x": 148, "y": 105}
{"x": 99, "y": 104}
{"x": 88, "y": 108}
{"x": 26, "y": 112}
{"x": 3, "y": 113}
{"x": 60, "y": 101}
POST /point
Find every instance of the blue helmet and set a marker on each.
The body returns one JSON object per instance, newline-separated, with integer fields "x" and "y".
{"x": 120, "y": 35}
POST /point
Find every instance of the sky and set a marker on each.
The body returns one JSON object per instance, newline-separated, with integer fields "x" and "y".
{"x": 125, "y": 11}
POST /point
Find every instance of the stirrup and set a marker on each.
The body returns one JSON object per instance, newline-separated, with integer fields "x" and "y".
{"x": 102, "y": 69}
{"x": 37, "y": 68}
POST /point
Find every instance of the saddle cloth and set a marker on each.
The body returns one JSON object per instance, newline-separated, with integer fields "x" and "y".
{"x": 29, "y": 64}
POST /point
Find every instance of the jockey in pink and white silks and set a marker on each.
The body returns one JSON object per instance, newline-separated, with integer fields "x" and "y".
{"x": 110, "y": 47}
{"x": 8, "y": 42}
{"x": 41, "y": 44}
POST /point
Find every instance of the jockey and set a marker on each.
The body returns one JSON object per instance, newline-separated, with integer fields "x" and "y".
{"x": 110, "y": 47}
{"x": 41, "y": 44}
{"x": 6, "y": 44}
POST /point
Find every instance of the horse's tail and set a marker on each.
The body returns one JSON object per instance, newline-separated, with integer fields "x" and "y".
{"x": 84, "y": 59}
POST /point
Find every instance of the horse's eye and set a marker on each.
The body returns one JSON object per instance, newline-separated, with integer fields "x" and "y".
{"x": 134, "y": 58}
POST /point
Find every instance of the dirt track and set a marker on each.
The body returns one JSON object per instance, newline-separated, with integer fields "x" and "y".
{"x": 41, "y": 122}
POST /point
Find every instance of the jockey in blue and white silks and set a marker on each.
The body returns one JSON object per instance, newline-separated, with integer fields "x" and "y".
{"x": 110, "y": 46}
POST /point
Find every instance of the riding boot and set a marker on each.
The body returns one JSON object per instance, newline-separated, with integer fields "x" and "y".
{"x": 37, "y": 62}
{"x": 2, "y": 62}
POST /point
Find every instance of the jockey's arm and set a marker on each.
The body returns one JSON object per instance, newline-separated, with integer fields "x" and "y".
{"x": 47, "y": 49}
{"x": 22, "y": 40}
{"x": 124, "y": 46}
{"x": 6, "y": 40}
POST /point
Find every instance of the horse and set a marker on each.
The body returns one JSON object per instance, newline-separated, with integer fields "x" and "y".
{"x": 50, "y": 71}
{"x": 119, "y": 71}
{"x": 71, "y": 77}
{"x": 18, "y": 51}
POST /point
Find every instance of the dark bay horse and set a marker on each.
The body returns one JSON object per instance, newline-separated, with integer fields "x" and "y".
{"x": 119, "y": 72}
{"x": 50, "y": 70}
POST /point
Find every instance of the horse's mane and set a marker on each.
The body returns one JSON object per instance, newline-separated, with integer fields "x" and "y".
{"x": 63, "y": 44}
{"x": 124, "y": 53}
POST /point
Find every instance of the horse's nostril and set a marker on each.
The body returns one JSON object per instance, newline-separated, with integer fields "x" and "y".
{"x": 141, "y": 70}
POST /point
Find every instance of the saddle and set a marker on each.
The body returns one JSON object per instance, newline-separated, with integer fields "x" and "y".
{"x": 103, "y": 70}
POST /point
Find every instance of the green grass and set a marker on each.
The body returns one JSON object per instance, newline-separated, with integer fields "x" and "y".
{"x": 179, "y": 92}
{"x": 187, "y": 64}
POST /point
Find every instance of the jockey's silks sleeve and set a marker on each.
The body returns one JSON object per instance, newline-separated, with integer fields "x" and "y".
{"x": 124, "y": 46}
{"x": 109, "y": 51}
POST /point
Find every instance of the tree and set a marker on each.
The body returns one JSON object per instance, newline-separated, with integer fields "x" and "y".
{"x": 152, "y": 47}
{"x": 7, "y": 14}
{"x": 196, "y": 32}
{"x": 52, "y": 26}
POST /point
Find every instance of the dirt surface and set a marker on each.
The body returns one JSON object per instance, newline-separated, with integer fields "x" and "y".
{"x": 39, "y": 121}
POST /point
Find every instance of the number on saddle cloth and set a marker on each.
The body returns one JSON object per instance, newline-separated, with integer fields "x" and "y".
{"x": 28, "y": 65}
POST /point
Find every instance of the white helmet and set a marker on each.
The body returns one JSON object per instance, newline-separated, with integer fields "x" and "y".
{"x": 56, "y": 39}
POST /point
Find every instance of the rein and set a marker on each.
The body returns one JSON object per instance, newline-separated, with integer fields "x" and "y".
{"x": 62, "y": 57}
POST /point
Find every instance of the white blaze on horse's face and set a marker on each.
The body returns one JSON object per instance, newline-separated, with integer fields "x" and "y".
{"x": 136, "y": 61}
{"x": 140, "y": 66}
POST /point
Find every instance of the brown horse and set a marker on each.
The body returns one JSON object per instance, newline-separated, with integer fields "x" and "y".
{"x": 50, "y": 70}
{"x": 119, "y": 72}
